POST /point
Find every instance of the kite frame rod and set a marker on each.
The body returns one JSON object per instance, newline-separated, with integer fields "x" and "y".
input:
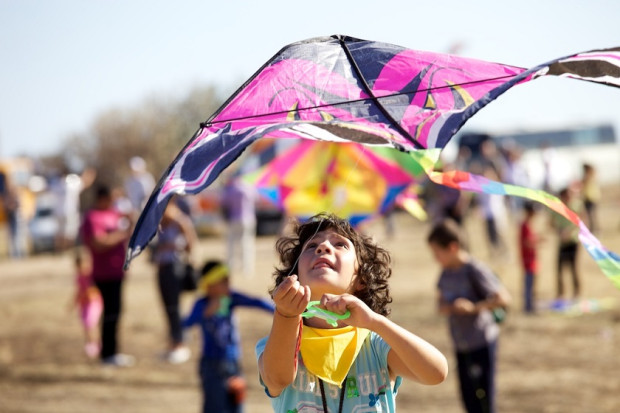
{"x": 346, "y": 102}
{"x": 382, "y": 108}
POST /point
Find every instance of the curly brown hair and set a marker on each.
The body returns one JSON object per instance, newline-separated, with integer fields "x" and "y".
{"x": 374, "y": 261}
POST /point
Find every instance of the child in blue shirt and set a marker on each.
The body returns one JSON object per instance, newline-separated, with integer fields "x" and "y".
{"x": 220, "y": 372}
{"x": 357, "y": 364}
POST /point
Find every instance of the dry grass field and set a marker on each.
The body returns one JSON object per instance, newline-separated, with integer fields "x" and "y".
{"x": 548, "y": 363}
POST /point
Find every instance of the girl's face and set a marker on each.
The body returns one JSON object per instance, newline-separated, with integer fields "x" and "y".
{"x": 328, "y": 264}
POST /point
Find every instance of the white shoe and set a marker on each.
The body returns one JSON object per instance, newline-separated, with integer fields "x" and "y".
{"x": 119, "y": 360}
{"x": 178, "y": 355}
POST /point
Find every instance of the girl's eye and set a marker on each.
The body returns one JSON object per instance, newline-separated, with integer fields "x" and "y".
{"x": 310, "y": 245}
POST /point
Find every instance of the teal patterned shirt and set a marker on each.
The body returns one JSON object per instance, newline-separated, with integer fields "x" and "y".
{"x": 367, "y": 387}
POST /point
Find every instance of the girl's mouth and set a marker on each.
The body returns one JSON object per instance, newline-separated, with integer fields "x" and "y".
{"x": 322, "y": 263}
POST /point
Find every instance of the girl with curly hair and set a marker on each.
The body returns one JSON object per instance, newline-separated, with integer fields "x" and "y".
{"x": 307, "y": 364}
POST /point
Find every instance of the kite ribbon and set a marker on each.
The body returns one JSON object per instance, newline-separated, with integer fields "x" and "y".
{"x": 608, "y": 261}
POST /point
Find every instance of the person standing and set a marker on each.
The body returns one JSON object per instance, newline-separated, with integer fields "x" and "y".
{"x": 172, "y": 254}
{"x": 140, "y": 184}
{"x": 105, "y": 232}
{"x": 568, "y": 244}
{"x": 9, "y": 203}
{"x": 88, "y": 300}
{"x": 493, "y": 210}
{"x": 67, "y": 189}
{"x": 238, "y": 204}
{"x": 468, "y": 293}
{"x": 528, "y": 242}
{"x": 591, "y": 193}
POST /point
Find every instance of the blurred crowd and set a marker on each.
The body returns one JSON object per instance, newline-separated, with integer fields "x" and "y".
{"x": 42, "y": 210}
{"x": 503, "y": 163}
{"x": 98, "y": 231}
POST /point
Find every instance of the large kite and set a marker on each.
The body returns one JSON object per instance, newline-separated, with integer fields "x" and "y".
{"x": 343, "y": 89}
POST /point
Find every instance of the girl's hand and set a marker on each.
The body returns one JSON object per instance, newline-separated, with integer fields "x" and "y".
{"x": 361, "y": 315}
{"x": 290, "y": 297}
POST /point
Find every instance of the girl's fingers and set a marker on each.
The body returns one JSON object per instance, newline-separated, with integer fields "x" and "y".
{"x": 335, "y": 303}
{"x": 285, "y": 287}
{"x": 304, "y": 297}
{"x": 361, "y": 314}
{"x": 301, "y": 297}
{"x": 327, "y": 301}
{"x": 292, "y": 296}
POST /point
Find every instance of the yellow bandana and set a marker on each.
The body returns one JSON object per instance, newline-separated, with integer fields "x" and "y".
{"x": 329, "y": 352}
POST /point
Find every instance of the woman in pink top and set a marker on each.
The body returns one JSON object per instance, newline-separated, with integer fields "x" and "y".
{"x": 105, "y": 232}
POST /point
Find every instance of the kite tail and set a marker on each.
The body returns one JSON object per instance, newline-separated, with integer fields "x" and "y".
{"x": 608, "y": 261}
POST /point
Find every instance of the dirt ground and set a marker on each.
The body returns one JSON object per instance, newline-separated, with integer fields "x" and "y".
{"x": 549, "y": 362}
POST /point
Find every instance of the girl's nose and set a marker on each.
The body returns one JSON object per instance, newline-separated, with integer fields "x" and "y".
{"x": 323, "y": 248}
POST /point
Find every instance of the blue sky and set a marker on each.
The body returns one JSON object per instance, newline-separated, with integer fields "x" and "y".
{"x": 65, "y": 62}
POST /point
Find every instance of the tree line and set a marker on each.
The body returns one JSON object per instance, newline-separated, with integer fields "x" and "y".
{"x": 156, "y": 129}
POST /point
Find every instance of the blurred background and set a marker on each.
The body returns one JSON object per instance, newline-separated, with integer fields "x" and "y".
{"x": 93, "y": 84}
{"x": 94, "y": 91}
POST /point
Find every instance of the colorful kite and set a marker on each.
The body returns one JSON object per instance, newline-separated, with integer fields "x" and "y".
{"x": 607, "y": 261}
{"x": 348, "y": 179}
{"x": 343, "y": 89}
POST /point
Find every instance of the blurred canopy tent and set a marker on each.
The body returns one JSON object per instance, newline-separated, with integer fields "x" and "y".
{"x": 348, "y": 179}
{"x": 343, "y": 89}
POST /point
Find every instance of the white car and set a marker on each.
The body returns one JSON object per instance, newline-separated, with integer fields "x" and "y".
{"x": 44, "y": 225}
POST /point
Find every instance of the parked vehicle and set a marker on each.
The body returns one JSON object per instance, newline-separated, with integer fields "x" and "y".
{"x": 44, "y": 225}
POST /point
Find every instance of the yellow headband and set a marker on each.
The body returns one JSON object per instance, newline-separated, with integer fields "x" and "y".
{"x": 215, "y": 274}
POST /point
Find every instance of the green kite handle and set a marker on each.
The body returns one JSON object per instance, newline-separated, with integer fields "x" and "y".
{"x": 313, "y": 310}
